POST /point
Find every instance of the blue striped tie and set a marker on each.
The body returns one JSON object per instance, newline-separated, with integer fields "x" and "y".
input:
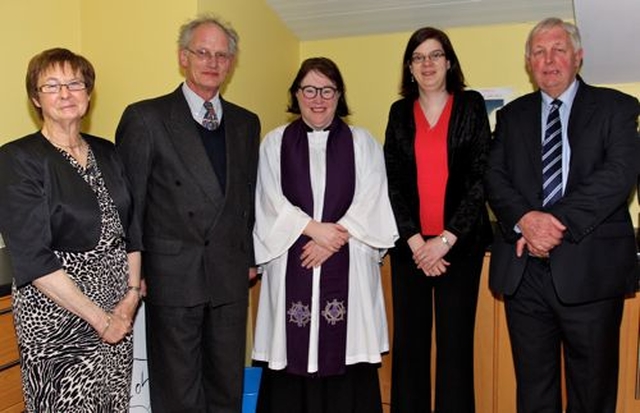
{"x": 552, "y": 156}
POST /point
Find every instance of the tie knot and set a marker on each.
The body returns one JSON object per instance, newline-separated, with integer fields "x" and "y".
{"x": 555, "y": 104}
{"x": 209, "y": 106}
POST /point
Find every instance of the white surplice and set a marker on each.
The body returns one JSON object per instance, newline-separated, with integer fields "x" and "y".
{"x": 372, "y": 230}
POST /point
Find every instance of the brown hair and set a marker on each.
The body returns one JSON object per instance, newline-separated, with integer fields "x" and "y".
{"x": 455, "y": 78}
{"x": 327, "y": 68}
{"x": 50, "y": 58}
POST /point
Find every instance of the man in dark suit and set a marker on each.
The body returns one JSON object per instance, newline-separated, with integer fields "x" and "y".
{"x": 192, "y": 166}
{"x": 565, "y": 255}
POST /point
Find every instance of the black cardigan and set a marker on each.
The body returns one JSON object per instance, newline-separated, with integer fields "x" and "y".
{"x": 468, "y": 141}
{"x": 46, "y": 205}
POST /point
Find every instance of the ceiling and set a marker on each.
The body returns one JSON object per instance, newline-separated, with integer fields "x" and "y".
{"x": 322, "y": 19}
{"x": 609, "y": 28}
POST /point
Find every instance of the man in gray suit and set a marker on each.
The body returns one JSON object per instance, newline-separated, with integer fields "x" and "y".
{"x": 562, "y": 165}
{"x": 191, "y": 157}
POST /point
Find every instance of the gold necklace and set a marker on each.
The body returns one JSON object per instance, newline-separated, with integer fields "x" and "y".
{"x": 81, "y": 144}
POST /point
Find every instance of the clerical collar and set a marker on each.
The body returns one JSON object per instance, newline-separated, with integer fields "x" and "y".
{"x": 310, "y": 129}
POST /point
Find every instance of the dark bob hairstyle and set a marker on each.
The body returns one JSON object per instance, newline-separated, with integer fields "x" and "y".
{"x": 455, "y": 79}
{"x": 327, "y": 68}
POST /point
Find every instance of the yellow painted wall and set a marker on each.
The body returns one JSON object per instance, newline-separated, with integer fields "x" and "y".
{"x": 491, "y": 57}
{"x": 269, "y": 58}
{"x": 26, "y": 28}
{"x": 132, "y": 44}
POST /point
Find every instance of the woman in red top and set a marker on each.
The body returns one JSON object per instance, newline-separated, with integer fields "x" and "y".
{"x": 435, "y": 150}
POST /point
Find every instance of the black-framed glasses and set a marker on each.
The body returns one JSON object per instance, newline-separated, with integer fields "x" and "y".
{"x": 74, "y": 86}
{"x": 419, "y": 58}
{"x": 326, "y": 92}
{"x": 204, "y": 55}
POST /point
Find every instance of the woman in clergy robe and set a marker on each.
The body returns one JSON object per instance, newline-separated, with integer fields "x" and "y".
{"x": 435, "y": 149}
{"x": 323, "y": 224}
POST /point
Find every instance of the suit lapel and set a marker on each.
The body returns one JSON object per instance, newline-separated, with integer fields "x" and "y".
{"x": 236, "y": 133}
{"x": 532, "y": 137}
{"x": 186, "y": 140}
{"x": 583, "y": 110}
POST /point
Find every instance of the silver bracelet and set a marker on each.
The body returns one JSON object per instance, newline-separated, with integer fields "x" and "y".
{"x": 444, "y": 240}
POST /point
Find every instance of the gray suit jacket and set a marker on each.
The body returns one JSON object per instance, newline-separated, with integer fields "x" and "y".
{"x": 597, "y": 258}
{"x": 197, "y": 244}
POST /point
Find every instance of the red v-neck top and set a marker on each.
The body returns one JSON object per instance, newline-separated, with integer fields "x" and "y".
{"x": 432, "y": 167}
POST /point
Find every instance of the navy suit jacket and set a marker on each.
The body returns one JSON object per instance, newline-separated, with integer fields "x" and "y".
{"x": 597, "y": 257}
{"x": 197, "y": 244}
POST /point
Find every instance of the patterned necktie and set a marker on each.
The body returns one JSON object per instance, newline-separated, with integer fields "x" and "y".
{"x": 552, "y": 156}
{"x": 210, "y": 120}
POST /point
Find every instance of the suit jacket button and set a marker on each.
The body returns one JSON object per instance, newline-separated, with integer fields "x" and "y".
{"x": 178, "y": 183}
{"x": 206, "y": 243}
{"x": 190, "y": 213}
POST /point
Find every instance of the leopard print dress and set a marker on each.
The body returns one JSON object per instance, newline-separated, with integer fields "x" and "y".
{"x": 65, "y": 365}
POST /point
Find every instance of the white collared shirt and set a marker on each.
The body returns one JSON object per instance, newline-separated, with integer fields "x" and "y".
{"x": 196, "y": 104}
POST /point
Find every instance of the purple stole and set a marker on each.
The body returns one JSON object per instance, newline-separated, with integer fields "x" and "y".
{"x": 334, "y": 277}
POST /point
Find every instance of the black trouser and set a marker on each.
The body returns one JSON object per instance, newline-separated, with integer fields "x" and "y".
{"x": 540, "y": 327}
{"x": 454, "y": 297}
{"x": 196, "y": 357}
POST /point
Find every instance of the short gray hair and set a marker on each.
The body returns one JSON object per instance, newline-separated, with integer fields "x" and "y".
{"x": 186, "y": 31}
{"x": 550, "y": 23}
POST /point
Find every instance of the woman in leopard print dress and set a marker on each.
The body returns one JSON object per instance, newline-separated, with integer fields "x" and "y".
{"x": 64, "y": 216}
